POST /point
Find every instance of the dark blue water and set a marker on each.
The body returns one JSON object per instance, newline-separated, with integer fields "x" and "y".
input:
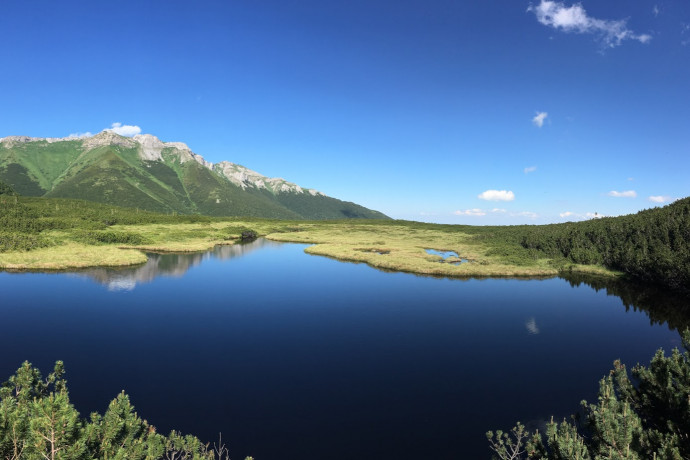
{"x": 293, "y": 356}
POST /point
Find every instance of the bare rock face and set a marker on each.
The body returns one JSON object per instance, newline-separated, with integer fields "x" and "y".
{"x": 245, "y": 177}
{"x": 240, "y": 176}
{"x": 150, "y": 147}
{"x": 11, "y": 141}
{"x": 107, "y": 138}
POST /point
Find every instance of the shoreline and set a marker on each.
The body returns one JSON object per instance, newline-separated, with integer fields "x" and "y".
{"x": 77, "y": 256}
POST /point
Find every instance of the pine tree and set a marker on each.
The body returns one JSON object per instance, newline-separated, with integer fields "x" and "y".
{"x": 38, "y": 422}
{"x": 646, "y": 420}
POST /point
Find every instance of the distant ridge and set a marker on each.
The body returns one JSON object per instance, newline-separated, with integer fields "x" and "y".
{"x": 145, "y": 172}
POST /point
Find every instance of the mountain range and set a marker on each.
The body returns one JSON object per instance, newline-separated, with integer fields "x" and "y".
{"x": 144, "y": 172}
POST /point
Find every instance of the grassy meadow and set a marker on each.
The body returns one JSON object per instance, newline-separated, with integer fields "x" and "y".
{"x": 54, "y": 234}
{"x": 400, "y": 246}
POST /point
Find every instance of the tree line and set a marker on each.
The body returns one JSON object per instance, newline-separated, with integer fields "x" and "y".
{"x": 652, "y": 245}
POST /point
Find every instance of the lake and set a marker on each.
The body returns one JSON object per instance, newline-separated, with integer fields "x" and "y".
{"x": 293, "y": 356}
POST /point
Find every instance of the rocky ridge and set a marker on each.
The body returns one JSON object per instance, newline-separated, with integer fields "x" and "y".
{"x": 150, "y": 148}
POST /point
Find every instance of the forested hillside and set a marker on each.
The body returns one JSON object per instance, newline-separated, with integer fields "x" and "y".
{"x": 652, "y": 245}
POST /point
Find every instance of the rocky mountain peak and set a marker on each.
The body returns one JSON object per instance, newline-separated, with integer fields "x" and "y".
{"x": 107, "y": 138}
{"x": 245, "y": 177}
{"x": 150, "y": 147}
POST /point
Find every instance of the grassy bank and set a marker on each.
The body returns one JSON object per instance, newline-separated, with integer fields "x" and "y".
{"x": 53, "y": 234}
{"x": 400, "y": 246}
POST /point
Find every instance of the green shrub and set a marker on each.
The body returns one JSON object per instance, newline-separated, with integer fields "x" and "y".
{"x": 110, "y": 237}
{"x": 646, "y": 417}
{"x": 13, "y": 241}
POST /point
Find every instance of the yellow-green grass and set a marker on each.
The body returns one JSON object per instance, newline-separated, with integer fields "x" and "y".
{"x": 71, "y": 255}
{"x": 402, "y": 248}
{"x": 396, "y": 246}
{"x": 69, "y": 250}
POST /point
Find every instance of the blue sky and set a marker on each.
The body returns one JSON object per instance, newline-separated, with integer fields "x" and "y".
{"x": 498, "y": 112}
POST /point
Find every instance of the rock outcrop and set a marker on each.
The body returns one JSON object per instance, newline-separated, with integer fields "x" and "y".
{"x": 245, "y": 177}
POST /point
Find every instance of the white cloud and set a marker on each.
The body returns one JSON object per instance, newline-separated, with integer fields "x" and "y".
{"x": 587, "y": 215}
{"x": 656, "y": 10}
{"x": 531, "y": 326}
{"x": 498, "y": 210}
{"x": 625, "y": 194}
{"x": 538, "y": 120}
{"x": 660, "y": 198}
{"x": 497, "y": 195}
{"x": 124, "y": 130}
{"x": 530, "y": 169}
{"x": 79, "y": 135}
{"x": 575, "y": 19}
{"x": 470, "y": 212}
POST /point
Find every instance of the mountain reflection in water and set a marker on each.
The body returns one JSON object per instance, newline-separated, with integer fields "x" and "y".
{"x": 173, "y": 265}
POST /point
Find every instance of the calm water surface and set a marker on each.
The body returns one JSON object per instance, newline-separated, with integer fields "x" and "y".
{"x": 292, "y": 356}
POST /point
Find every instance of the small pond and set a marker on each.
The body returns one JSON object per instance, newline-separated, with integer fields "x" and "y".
{"x": 445, "y": 255}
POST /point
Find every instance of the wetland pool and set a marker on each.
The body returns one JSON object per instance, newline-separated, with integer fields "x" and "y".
{"x": 293, "y": 356}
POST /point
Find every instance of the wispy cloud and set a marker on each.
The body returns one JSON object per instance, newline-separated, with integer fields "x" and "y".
{"x": 124, "y": 130}
{"x": 574, "y": 19}
{"x": 587, "y": 215}
{"x": 539, "y": 118}
{"x": 481, "y": 212}
{"x": 497, "y": 195}
{"x": 470, "y": 212}
{"x": 656, "y": 10}
{"x": 660, "y": 198}
{"x": 530, "y": 169}
{"x": 625, "y": 194}
{"x": 532, "y": 327}
{"x": 79, "y": 135}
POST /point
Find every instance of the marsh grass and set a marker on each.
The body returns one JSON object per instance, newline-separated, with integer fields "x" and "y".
{"x": 400, "y": 246}
{"x": 71, "y": 255}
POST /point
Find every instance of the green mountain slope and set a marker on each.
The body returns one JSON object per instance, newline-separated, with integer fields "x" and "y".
{"x": 36, "y": 166}
{"x": 146, "y": 173}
